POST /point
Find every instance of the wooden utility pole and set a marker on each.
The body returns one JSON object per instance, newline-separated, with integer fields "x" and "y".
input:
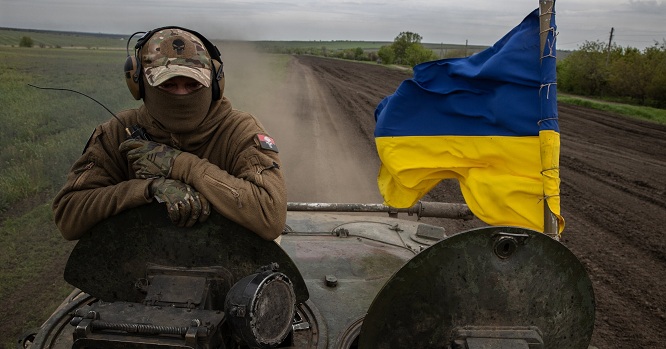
{"x": 610, "y": 40}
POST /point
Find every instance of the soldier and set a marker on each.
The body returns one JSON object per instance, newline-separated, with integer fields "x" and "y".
{"x": 201, "y": 152}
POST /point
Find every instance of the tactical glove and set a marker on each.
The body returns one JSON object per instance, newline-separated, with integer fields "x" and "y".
{"x": 149, "y": 159}
{"x": 184, "y": 204}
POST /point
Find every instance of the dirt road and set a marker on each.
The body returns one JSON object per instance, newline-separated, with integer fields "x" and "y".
{"x": 325, "y": 151}
{"x": 613, "y": 174}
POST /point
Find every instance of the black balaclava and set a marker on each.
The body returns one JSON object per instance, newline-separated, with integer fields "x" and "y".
{"x": 178, "y": 113}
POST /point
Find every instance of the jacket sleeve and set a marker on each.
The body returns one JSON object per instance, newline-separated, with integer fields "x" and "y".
{"x": 251, "y": 192}
{"x": 97, "y": 187}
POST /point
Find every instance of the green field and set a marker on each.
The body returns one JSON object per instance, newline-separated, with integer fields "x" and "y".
{"x": 50, "y": 39}
{"x": 44, "y": 131}
{"x": 633, "y": 111}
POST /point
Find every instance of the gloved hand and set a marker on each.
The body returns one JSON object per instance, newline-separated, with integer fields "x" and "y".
{"x": 149, "y": 159}
{"x": 184, "y": 204}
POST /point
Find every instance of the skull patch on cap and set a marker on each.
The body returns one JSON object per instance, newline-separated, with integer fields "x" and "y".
{"x": 174, "y": 52}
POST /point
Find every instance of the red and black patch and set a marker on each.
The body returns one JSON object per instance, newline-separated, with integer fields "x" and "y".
{"x": 266, "y": 142}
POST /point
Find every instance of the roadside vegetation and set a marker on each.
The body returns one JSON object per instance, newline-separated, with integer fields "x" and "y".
{"x": 44, "y": 131}
{"x": 656, "y": 115}
{"x": 406, "y": 49}
{"x": 56, "y": 39}
{"x": 616, "y": 74}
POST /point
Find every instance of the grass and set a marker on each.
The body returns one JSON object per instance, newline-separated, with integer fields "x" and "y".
{"x": 44, "y": 130}
{"x": 638, "y": 112}
{"x": 32, "y": 252}
{"x": 42, "y": 133}
{"x": 51, "y": 39}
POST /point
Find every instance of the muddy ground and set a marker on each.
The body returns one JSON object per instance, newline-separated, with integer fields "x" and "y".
{"x": 613, "y": 189}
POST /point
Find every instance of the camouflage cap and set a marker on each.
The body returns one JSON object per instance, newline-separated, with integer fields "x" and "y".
{"x": 174, "y": 52}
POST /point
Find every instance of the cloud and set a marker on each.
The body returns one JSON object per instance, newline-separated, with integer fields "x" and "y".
{"x": 651, "y": 7}
{"x": 478, "y": 22}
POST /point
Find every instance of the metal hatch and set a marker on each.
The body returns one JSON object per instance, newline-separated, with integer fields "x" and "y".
{"x": 484, "y": 281}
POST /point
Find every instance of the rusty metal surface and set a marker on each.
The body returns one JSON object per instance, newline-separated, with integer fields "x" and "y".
{"x": 109, "y": 260}
{"x": 344, "y": 272}
{"x": 56, "y": 332}
{"x": 410, "y": 234}
{"x": 420, "y": 209}
{"x": 399, "y": 283}
{"x": 494, "y": 276}
{"x": 122, "y": 325}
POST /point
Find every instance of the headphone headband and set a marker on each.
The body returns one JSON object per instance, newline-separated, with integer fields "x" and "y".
{"x": 210, "y": 47}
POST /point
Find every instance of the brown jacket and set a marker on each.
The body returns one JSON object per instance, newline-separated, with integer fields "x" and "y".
{"x": 222, "y": 160}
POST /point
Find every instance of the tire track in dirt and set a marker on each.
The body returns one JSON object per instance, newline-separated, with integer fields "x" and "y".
{"x": 614, "y": 200}
{"x": 330, "y": 162}
{"x": 613, "y": 172}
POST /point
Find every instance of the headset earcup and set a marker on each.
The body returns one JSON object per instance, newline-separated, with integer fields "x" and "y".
{"x": 132, "y": 84}
{"x": 218, "y": 85}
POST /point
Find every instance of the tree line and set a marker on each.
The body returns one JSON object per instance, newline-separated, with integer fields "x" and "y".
{"x": 624, "y": 74}
{"x": 611, "y": 72}
{"x": 406, "y": 49}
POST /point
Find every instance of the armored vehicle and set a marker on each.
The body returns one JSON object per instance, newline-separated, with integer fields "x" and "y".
{"x": 341, "y": 276}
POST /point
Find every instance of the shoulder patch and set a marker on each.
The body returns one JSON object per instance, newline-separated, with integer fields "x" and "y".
{"x": 266, "y": 142}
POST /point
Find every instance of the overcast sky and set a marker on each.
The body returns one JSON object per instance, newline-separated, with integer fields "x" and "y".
{"x": 637, "y": 23}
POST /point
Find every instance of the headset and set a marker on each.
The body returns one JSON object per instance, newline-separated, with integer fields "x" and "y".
{"x": 133, "y": 71}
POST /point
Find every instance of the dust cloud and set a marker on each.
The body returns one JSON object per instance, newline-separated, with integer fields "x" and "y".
{"x": 322, "y": 156}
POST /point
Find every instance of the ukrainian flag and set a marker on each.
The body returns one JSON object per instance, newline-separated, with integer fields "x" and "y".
{"x": 488, "y": 120}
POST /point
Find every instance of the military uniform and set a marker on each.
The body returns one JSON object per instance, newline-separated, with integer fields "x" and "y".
{"x": 226, "y": 158}
{"x": 223, "y": 154}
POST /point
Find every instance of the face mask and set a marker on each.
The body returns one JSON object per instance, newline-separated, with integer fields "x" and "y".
{"x": 177, "y": 113}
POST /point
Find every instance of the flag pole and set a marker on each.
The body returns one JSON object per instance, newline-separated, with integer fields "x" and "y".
{"x": 546, "y": 9}
{"x": 546, "y": 13}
